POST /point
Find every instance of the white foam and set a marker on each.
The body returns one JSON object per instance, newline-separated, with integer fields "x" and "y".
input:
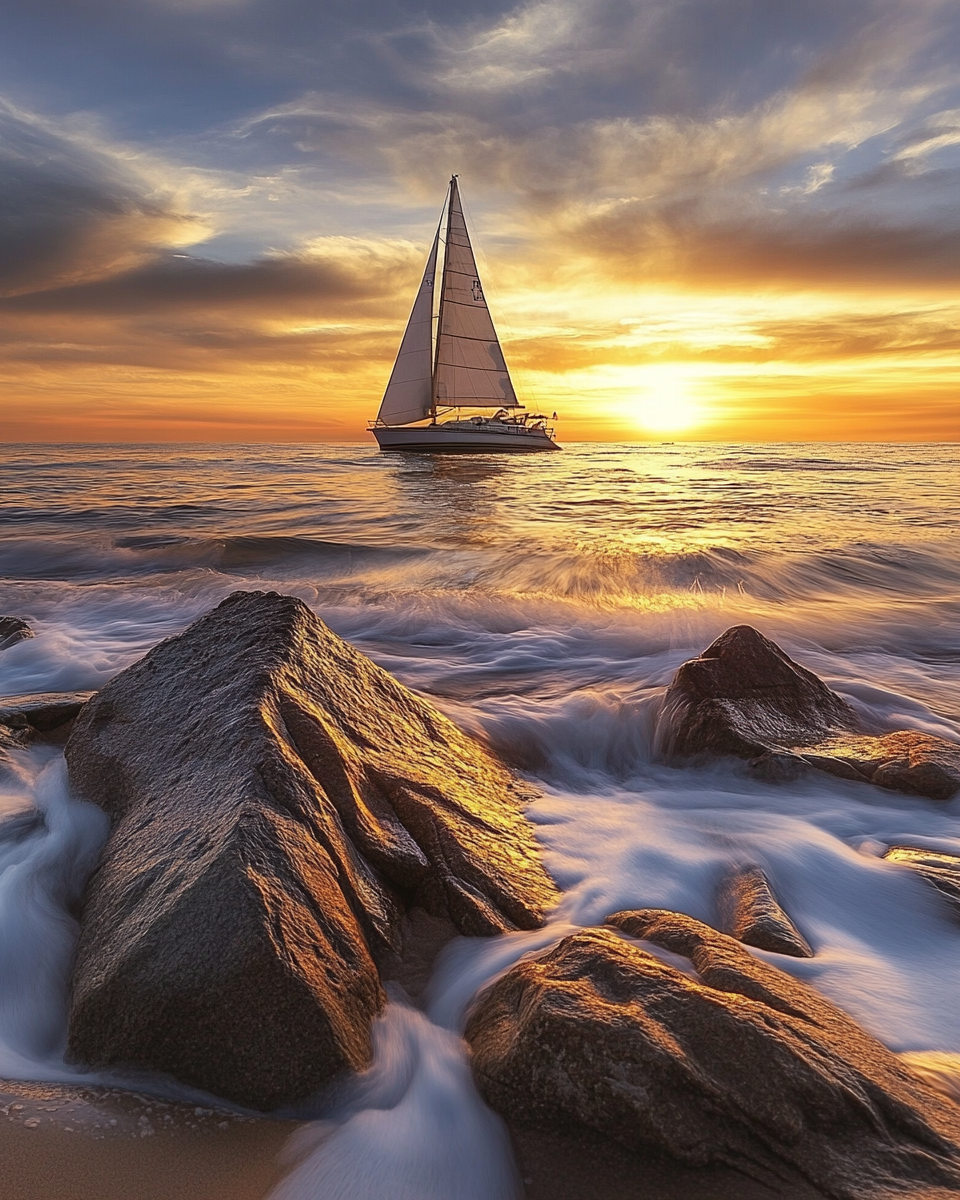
{"x": 42, "y": 873}
{"x": 411, "y": 1128}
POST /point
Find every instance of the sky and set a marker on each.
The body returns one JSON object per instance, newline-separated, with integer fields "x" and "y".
{"x": 695, "y": 219}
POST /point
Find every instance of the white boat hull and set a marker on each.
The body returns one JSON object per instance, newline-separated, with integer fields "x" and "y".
{"x": 454, "y": 438}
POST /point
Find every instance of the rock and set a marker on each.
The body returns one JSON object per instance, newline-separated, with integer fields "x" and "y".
{"x": 278, "y": 802}
{"x": 908, "y": 761}
{"x": 733, "y": 1063}
{"x": 744, "y": 697}
{"x": 13, "y": 630}
{"x": 46, "y": 717}
{"x": 575, "y": 1163}
{"x": 942, "y": 870}
{"x": 749, "y": 911}
{"x": 43, "y": 712}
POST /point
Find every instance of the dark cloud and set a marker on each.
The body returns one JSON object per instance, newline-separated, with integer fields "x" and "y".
{"x": 797, "y": 246}
{"x": 328, "y": 284}
{"x": 67, "y": 210}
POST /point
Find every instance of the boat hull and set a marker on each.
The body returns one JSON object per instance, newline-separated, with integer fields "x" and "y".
{"x": 444, "y": 439}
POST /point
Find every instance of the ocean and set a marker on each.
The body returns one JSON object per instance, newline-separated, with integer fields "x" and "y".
{"x": 542, "y": 602}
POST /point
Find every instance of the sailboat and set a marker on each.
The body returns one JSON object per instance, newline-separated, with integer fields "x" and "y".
{"x": 462, "y": 368}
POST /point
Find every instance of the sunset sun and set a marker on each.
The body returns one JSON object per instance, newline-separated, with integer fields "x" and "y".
{"x": 667, "y": 403}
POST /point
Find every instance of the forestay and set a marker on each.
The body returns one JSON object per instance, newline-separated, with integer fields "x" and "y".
{"x": 470, "y": 368}
{"x": 409, "y": 392}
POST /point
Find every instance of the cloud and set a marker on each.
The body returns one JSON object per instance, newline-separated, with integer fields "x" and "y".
{"x": 70, "y": 211}
{"x": 330, "y": 276}
{"x": 683, "y": 245}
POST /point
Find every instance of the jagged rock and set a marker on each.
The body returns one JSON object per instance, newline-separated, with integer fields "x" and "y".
{"x": 749, "y": 911}
{"x": 278, "y": 801}
{"x": 733, "y": 1063}
{"x": 744, "y": 697}
{"x": 942, "y": 870}
{"x": 13, "y": 630}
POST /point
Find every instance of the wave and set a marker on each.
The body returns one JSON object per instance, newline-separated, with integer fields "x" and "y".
{"x": 148, "y": 554}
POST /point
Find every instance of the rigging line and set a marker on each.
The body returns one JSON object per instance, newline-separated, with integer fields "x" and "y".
{"x": 466, "y": 337}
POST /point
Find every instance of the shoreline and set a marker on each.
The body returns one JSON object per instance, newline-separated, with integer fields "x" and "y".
{"x": 59, "y": 1142}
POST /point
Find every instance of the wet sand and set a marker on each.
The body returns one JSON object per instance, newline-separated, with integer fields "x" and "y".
{"x": 59, "y": 1143}
{"x": 73, "y": 1144}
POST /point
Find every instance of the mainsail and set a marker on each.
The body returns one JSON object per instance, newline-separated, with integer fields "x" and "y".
{"x": 409, "y": 394}
{"x": 470, "y": 371}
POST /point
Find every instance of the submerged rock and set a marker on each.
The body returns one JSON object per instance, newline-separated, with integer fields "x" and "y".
{"x": 744, "y": 696}
{"x": 42, "y": 713}
{"x": 749, "y": 911}
{"x": 908, "y": 761}
{"x": 941, "y": 870}
{"x": 44, "y": 717}
{"x": 278, "y": 802}
{"x": 13, "y": 630}
{"x": 733, "y": 1063}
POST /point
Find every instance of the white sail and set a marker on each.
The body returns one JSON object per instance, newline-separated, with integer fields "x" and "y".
{"x": 470, "y": 368}
{"x": 409, "y": 393}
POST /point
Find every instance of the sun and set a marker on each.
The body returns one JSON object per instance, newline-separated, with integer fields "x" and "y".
{"x": 667, "y": 403}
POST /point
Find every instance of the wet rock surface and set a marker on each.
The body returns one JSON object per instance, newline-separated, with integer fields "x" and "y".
{"x": 749, "y": 911}
{"x": 941, "y": 870}
{"x": 731, "y": 1062}
{"x": 916, "y": 763}
{"x": 743, "y": 696}
{"x": 580, "y": 1164}
{"x": 43, "y": 713}
{"x": 279, "y": 803}
{"x": 13, "y": 630}
{"x": 42, "y": 717}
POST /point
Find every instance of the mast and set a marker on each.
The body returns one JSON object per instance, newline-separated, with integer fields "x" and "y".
{"x": 443, "y": 291}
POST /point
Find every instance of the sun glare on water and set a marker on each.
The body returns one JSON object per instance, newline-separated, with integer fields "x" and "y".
{"x": 667, "y": 403}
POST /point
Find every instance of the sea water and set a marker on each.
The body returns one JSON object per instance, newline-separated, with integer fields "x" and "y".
{"x": 543, "y": 603}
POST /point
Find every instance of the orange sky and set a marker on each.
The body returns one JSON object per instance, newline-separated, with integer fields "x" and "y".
{"x": 631, "y": 364}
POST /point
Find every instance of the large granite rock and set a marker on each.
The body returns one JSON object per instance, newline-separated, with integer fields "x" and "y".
{"x": 278, "y": 803}
{"x": 744, "y": 697}
{"x": 907, "y": 761}
{"x": 716, "y": 1059}
{"x": 749, "y": 911}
